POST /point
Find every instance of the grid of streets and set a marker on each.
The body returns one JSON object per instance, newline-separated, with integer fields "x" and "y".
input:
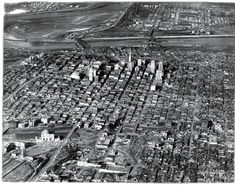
{"x": 182, "y": 131}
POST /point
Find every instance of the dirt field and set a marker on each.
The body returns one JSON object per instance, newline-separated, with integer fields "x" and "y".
{"x": 53, "y": 24}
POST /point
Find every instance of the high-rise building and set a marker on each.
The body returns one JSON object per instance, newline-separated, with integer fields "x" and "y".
{"x": 130, "y": 64}
{"x": 22, "y": 152}
{"x": 158, "y": 77}
{"x": 152, "y": 66}
{"x": 129, "y": 56}
{"x": 90, "y": 74}
{"x": 94, "y": 73}
{"x": 160, "y": 66}
{"x": 159, "y": 74}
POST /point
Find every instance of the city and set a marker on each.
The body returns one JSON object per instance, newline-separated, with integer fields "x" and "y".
{"x": 123, "y": 100}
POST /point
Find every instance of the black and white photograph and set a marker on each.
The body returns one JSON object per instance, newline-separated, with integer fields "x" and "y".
{"x": 118, "y": 91}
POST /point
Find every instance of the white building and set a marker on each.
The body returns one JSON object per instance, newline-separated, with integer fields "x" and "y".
{"x": 46, "y": 137}
{"x": 153, "y": 87}
{"x": 139, "y": 62}
{"x": 44, "y": 119}
{"x": 94, "y": 73}
{"x": 152, "y": 66}
{"x": 116, "y": 66}
{"x": 75, "y": 75}
{"x": 160, "y": 66}
{"x": 130, "y": 64}
{"x": 20, "y": 144}
{"x": 129, "y": 56}
{"x": 86, "y": 164}
{"x": 90, "y": 73}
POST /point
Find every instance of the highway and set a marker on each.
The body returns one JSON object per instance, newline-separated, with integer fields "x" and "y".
{"x": 157, "y": 37}
{"x": 117, "y": 41}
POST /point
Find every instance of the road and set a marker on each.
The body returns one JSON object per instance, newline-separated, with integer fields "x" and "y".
{"x": 18, "y": 89}
{"x": 157, "y": 37}
{"x": 118, "y": 41}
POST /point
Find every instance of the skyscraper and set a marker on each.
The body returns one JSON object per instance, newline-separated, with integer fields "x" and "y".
{"x": 94, "y": 72}
{"x": 152, "y": 66}
{"x": 129, "y": 57}
{"x": 130, "y": 64}
{"x": 139, "y": 62}
{"x": 90, "y": 74}
{"x": 160, "y": 66}
{"x": 158, "y": 77}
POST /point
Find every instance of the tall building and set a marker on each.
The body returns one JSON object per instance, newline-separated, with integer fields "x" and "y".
{"x": 139, "y": 62}
{"x": 152, "y": 66}
{"x": 22, "y": 152}
{"x": 130, "y": 64}
{"x": 129, "y": 57}
{"x": 90, "y": 73}
{"x": 158, "y": 77}
{"x": 159, "y": 74}
{"x": 94, "y": 73}
{"x": 160, "y": 66}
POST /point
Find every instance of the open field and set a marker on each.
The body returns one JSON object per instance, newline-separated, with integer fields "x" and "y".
{"x": 53, "y": 24}
{"x": 212, "y": 43}
{"x": 38, "y": 45}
